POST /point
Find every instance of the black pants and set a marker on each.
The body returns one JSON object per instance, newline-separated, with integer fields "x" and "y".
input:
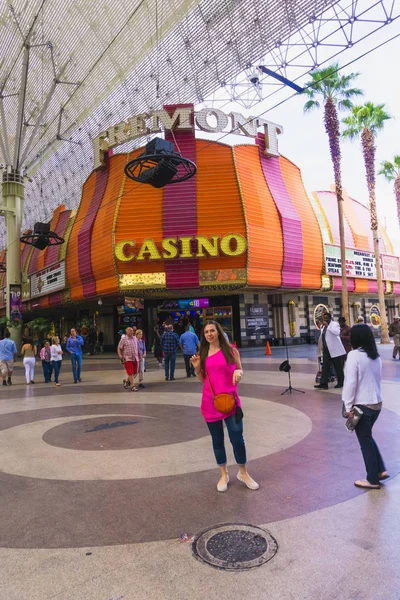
{"x": 188, "y": 365}
{"x": 370, "y": 451}
{"x": 337, "y": 362}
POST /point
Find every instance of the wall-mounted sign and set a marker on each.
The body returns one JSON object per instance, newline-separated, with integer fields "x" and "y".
{"x": 391, "y": 267}
{"x": 195, "y": 303}
{"x": 319, "y": 310}
{"x": 257, "y": 320}
{"x": 211, "y": 120}
{"x": 375, "y": 316}
{"x": 358, "y": 263}
{"x": 15, "y": 302}
{"x": 46, "y": 281}
{"x": 198, "y": 246}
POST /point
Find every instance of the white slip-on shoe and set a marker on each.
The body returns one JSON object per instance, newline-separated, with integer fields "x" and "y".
{"x": 250, "y": 483}
{"x": 223, "y": 487}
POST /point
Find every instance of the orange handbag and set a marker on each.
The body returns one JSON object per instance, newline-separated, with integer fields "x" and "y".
{"x": 224, "y": 403}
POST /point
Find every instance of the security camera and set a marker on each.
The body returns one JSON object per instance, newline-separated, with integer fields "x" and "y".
{"x": 254, "y": 77}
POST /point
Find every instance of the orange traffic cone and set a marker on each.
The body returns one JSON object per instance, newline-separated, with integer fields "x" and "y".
{"x": 267, "y": 349}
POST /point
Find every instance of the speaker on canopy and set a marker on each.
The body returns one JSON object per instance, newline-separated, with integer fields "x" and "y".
{"x": 42, "y": 237}
{"x": 159, "y": 165}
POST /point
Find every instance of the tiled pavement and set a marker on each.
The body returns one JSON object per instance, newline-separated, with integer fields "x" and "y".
{"x": 97, "y": 484}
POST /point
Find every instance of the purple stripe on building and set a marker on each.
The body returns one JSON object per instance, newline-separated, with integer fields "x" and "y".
{"x": 55, "y": 299}
{"x": 180, "y": 211}
{"x": 290, "y": 220}
{"x": 33, "y": 262}
{"x": 53, "y": 251}
{"x": 85, "y": 234}
{"x": 337, "y": 284}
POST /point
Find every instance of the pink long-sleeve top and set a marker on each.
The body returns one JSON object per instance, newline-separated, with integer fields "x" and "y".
{"x": 221, "y": 375}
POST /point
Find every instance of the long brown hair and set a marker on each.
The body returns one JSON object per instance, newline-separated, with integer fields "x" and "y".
{"x": 223, "y": 342}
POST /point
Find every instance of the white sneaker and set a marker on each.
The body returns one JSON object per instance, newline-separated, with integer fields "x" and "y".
{"x": 223, "y": 487}
{"x": 250, "y": 483}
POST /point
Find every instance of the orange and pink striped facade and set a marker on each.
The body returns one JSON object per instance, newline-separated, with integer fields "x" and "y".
{"x": 237, "y": 190}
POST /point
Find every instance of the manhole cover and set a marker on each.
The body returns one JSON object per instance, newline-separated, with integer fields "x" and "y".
{"x": 235, "y": 546}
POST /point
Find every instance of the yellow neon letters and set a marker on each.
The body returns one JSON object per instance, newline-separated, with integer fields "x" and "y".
{"x": 199, "y": 246}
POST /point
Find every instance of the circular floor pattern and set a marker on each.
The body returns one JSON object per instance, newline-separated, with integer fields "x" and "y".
{"x": 182, "y": 426}
{"x": 313, "y": 473}
{"x": 235, "y": 547}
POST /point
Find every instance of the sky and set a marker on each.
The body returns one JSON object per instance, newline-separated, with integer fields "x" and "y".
{"x": 305, "y": 142}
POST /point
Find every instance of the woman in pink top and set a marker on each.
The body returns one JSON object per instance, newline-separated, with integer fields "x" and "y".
{"x": 219, "y": 363}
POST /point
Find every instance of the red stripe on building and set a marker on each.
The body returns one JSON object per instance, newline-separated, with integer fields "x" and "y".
{"x": 179, "y": 209}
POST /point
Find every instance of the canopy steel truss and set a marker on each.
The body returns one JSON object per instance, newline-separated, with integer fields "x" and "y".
{"x": 69, "y": 70}
{"x": 324, "y": 38}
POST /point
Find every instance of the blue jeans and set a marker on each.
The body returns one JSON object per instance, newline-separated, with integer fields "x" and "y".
{"x": 47, "y": 370}
{"x": 235, "y": 432}
{"x": 370, "y": 451}
{"x": 56, "y": 368}
{"x": 169, "y": 365}
{"x": 76, "y": 361}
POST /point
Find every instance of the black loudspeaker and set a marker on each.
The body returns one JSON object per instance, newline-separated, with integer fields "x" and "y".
{"x": 41, "y": 229}
{"x": 159, "y": 175}
{"x": 40, "y": 238}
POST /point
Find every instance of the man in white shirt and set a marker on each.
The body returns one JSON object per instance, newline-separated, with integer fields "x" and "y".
{"x": 333, "y": 352}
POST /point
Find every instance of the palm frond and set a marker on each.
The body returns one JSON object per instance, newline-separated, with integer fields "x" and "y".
{"x": 311, "y": 105}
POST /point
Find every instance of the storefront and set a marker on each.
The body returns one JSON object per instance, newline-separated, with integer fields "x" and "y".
{"x": 241, "y": 243}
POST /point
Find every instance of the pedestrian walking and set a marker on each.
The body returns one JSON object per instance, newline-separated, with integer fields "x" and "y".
{"x": 100, "y": 339}
{"x": 394, "y": 331}
{"x": 28, "y": 351}
{"x": 56, "y": 358}
{"x": 142, "y": 361}
{"x": 158, "y": 351}
{"x": 333, "y": 352}
{"x": 170, "y": 344}
{"x": 129, "y": 354}
{"x": 189, "y": 343}
{"x": 8, "y": 353}
{"x": 219, "y": 367}
{"x": 362, "y": 389}
{"x": 74, "y": 348}
{"x": 45, "y": 357}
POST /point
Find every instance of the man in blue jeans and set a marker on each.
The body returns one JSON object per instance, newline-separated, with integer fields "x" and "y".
{"x": 169, "y": 344}
{"x": 189, "y": 343}
{"x": 74, "y": 348}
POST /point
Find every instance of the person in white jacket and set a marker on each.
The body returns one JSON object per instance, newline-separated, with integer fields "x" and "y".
{"x": 362, "y": 388}
{"x": 333, "y": 352}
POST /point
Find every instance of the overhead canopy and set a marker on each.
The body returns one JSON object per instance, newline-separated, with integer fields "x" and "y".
{"x": 68, "y": 70}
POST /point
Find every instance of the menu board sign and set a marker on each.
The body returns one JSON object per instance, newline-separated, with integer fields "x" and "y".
{"x": 48, "y": 280}
{"x": 359, "y": 263}
{"x": 257, "y": 322}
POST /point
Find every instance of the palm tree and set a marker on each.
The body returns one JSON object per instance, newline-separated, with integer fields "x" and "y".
{"x": 391, "y": 171}
{"x": 39, "y": 326}
{"x": 365, "y": 122}
{"x": 336, "y": 92}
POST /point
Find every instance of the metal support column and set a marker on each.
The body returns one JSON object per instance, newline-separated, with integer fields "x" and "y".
{"x": 12, "y": 209}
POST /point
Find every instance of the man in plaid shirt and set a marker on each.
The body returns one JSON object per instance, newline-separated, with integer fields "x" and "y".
{"x": 169, "y": 344}
{"x": 129, "y": 353}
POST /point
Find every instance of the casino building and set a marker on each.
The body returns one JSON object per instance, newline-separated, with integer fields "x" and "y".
{"x": 241, "y": 242}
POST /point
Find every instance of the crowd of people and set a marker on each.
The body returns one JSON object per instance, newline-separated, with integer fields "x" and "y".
{"x": 350, "y": 353}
